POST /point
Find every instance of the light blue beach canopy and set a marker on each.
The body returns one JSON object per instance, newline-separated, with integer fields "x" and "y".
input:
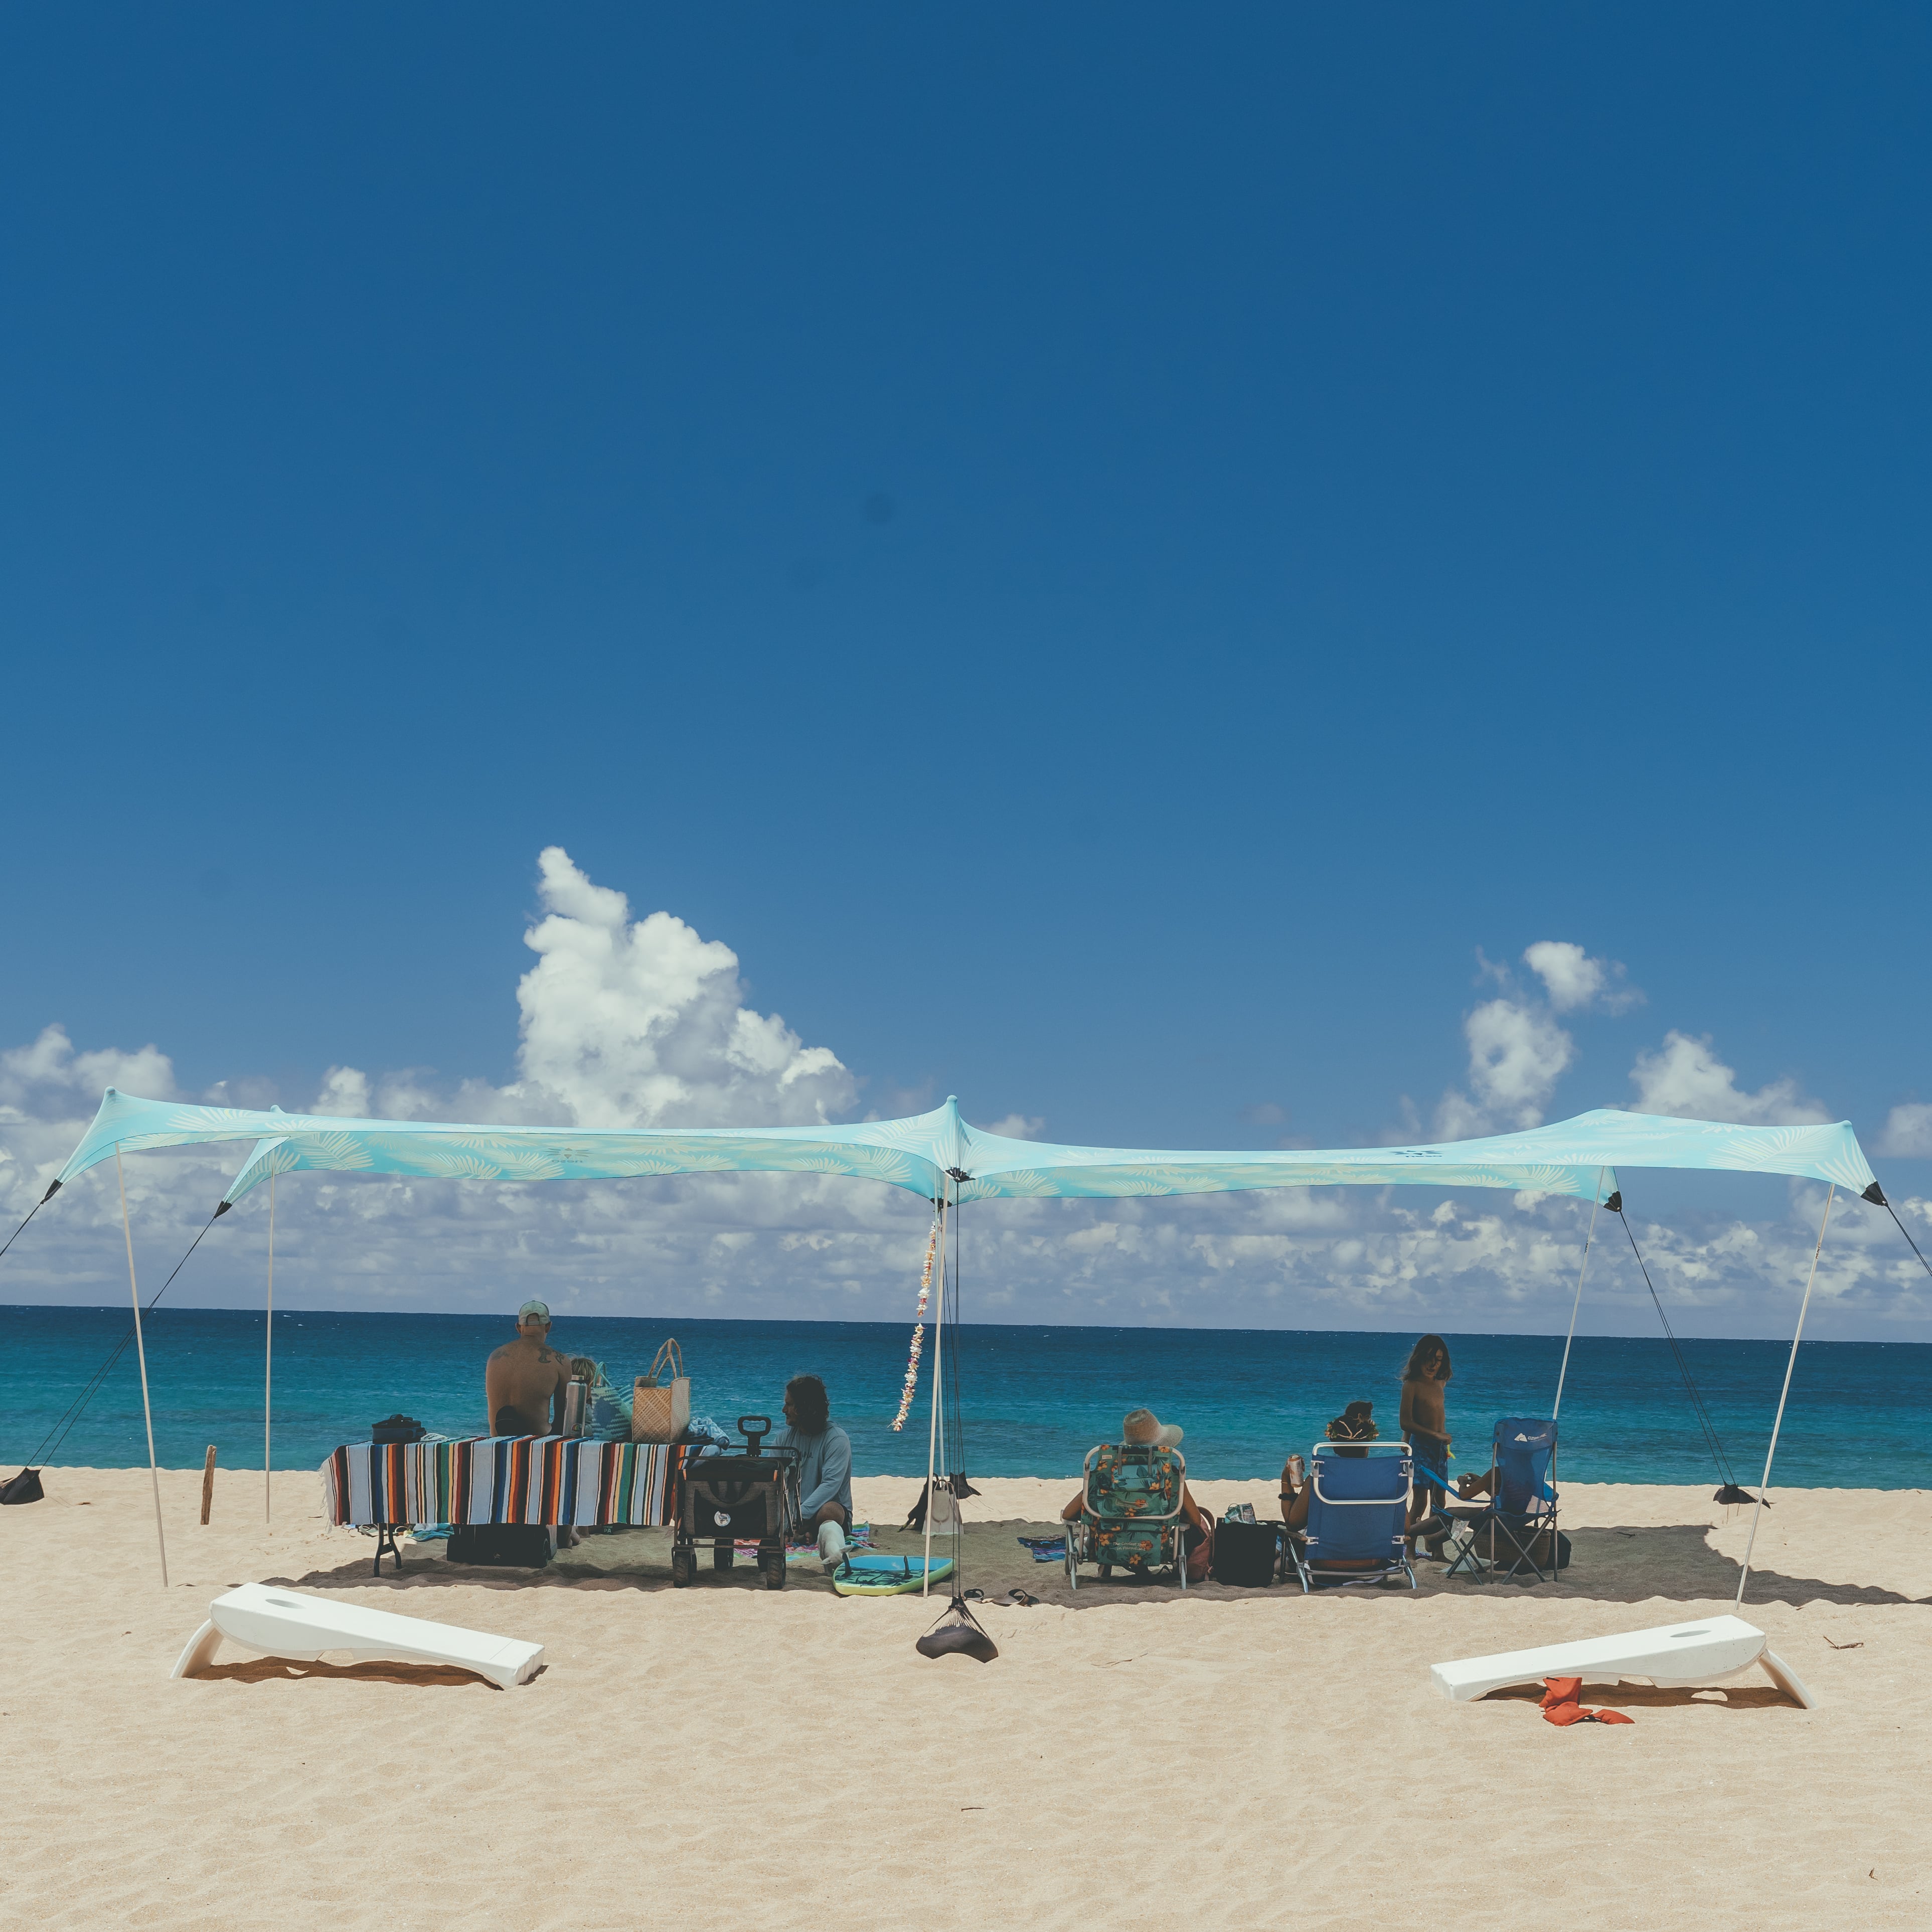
{"x": 928, "y": 1154}
{"x": 939, "y": 1157}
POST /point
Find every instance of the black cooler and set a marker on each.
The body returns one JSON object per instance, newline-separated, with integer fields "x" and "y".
{"x": 750, "y": 1496}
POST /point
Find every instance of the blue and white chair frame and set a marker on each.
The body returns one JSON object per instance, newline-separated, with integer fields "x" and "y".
{"x": 1521, "y": 1513}
{"x": 1357, "y": 1516}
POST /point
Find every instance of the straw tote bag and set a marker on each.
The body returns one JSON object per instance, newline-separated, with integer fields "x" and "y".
{"x": 661, "y": 1403}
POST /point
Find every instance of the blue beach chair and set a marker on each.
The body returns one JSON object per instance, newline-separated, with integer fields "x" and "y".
{"x": 1519, "y": 1526}
{"x": 1130, "y": 1515}
{"x": 1357, "y": 1516}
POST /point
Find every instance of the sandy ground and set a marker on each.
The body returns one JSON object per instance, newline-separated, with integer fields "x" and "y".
{"x": 726, "y": 1755}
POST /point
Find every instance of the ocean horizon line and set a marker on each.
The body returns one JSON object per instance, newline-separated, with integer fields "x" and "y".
{"x": 1034, "y": 1397}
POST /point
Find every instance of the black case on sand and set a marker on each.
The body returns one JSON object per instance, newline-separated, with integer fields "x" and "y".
{"x": 501, "y": 1546}
{"x": 1244, "y": 1553}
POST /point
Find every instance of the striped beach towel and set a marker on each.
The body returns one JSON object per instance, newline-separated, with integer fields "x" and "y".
{"x": 534, "y": 1479}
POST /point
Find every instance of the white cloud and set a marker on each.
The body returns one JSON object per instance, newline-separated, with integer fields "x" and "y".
{"x": 50, "y": 1070}
{"x": 1685, "y": 1077}
{"x": 645, "y": 1024}
{"x": 1574, "y": 980}
{"x": 624, "y": 1024}
{"x": 1517, "y": 1053}
{"x": 345, "y": 1092}
{"x": 1020, "y": 1127}
{"x": 1907, "y": 1131}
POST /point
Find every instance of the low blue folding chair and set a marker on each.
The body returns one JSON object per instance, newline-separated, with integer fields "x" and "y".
{"x": 1516, "y": 1533}
{"x": 1357, "y": 1513}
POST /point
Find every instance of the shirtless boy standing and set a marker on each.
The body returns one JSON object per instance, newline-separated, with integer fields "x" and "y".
{"x": 524, "y": 1381}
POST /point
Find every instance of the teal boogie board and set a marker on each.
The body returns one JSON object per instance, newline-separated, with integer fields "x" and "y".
{"x": 867, "y": 1573}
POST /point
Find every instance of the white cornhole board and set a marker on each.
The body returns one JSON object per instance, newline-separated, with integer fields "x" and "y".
{"x": 282, "y": 1624}
{"x": 1670, "y": 1655}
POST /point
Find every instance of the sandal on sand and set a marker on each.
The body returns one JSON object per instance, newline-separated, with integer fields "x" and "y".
{"x": 1020, "y": 1598}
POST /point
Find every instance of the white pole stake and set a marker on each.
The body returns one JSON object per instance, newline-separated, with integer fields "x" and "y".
{"x": 1751, "y": 1540}
{"x": 1556, "y": 1407}
{"x": 268, "y": 1371}
{"x": 141, "y": 1350}
{"x": 932, "y": 1432}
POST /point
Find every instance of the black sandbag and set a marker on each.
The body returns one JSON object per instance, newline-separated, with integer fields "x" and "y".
{"x": 500, "y": 1546}
{"x": 24, "y": 1488}
{"x": 1245, "y": 1553}
{"x": 958, "y": 1634}
{"x": 958, "y": 1640}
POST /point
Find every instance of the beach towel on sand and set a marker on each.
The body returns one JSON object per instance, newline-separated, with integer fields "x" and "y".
{"x": 1560, "y": 1705}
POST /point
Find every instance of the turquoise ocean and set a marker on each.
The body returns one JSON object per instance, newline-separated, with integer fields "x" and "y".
{"x": 1035, "y": 1398}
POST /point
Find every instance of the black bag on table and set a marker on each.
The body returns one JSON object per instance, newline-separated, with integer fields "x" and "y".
{"x": 500, "y": 1546}
{"x": 1244, "y": 1553}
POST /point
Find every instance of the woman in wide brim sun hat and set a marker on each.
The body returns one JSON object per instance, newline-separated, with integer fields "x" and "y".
{"x": 1142, "y": 1429}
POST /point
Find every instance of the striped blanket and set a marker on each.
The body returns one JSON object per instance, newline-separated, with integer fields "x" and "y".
{"x": 545, "y": 1479}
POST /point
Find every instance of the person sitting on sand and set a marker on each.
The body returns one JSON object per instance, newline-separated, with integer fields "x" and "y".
{"x": 1425, "y": 1427}
{"x": 1142, "y": 1429}
{"x": 1356, "y": 1423}
{"x": 524, "y": 1381}
{"x": 825, "y": 1465}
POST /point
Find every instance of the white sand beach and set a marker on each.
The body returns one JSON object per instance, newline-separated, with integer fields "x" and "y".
{"x": 724, "y": 1754}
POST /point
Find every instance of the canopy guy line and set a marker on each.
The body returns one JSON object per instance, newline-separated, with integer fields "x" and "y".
{"x": 1888, "y": 1208}
{"x": 64, "y": 1422}
{"x": 1730, "y": 1492}
{"x": 1750, "y": 1542}
{"x": 31, "y": 1213}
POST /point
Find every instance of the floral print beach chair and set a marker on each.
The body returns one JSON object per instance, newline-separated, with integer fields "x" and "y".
{"x": 1130, "y": 1517}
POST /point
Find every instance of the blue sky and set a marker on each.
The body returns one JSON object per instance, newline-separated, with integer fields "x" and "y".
{"x": 1107, "y": 556}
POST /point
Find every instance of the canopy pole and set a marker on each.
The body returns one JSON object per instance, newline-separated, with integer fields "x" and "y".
{"x": 932, "y": 1432}
{"x": 141, "y": 1349}
{"x": 1744, "y": 1574}
{"x": 268, "y": 1371}
{"x": 1556, "y": 1407}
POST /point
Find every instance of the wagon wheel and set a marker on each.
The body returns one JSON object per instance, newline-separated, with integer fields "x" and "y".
{"x": 722, "y": 1555}
{"x": 774, "y": 1567}
{"x": 683, "y": 1565}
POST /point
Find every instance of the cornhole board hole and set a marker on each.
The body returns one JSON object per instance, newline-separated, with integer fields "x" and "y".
{"x": 280, "y": 1623}
{"x": 1669, "y": 1656}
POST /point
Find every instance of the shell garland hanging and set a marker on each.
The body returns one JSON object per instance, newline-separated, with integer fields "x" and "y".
{"x": 919, "y": 1330}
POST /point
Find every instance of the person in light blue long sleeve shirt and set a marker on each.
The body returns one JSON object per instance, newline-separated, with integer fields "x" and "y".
{"x": 825, "y": 1465}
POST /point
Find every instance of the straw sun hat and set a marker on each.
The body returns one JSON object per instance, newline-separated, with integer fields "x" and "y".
{"x": 1143, "y": 1425}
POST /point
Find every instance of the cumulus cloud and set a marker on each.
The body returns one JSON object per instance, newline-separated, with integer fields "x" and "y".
{"x": 50, "y": 1071}
{"x": 344, "y": 1093}
{"x": 645, "y": 1025}
{"x": 1020, "y": 1127}
{"x": 1685, "y": 1077}
{"x": 625, "y": 1023}
{"x": 1517, "y": 1053}
{"x": 1574, "y": 981}
{"x": 1907, "y": 1131}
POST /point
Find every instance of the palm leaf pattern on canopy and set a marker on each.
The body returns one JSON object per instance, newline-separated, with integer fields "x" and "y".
{"x": 1579, "y": 1157}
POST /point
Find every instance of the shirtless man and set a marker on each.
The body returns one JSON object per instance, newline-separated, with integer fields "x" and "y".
{"x": 524, "y": 1382}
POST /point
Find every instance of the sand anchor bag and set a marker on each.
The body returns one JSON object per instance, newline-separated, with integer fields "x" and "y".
{"x": 661, "y": 1403}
